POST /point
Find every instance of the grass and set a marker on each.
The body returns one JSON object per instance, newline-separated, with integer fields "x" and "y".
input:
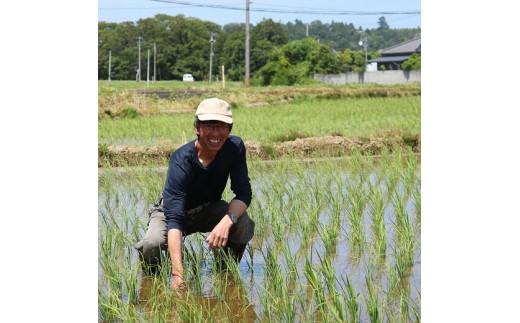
{"x": 363, "y": 117}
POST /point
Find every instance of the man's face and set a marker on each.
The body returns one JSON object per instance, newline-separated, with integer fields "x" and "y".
{"x": 212, "y": 134}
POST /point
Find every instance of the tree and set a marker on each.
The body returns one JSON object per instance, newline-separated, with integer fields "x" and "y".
{"x": 231, "y": 49}
{"x": 412, "y": 63}
{"x": 264, "y": 37}
{"x": 183, "y": 46}
{"x": 382, "y": 23}
{"x": 296, "y": 62}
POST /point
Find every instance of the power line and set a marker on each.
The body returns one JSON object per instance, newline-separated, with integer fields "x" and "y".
{"x": 295, "y": 11}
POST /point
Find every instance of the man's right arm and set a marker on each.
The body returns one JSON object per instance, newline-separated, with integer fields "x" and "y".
{"x": 173, "y": 203}
{"x": 175, "y": 250}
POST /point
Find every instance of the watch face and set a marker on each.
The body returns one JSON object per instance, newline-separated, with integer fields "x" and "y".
{"x": 233, "y": 217}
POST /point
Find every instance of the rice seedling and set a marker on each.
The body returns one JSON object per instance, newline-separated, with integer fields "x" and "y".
{"x": 417, "y": 202}
{"x": 372, "y": 301}
{"x": 378, "y": 222}
{"x": 291, "y": 265}
{"x": 356, "y": 206}
{"x": 319, "y": 225}
{"x": 352, "y": 303}
{"x": 335, "y": 308}
{"x": 410, "y": 172}
{"x": 311, "y": 275}
{"x": 329, "y": 236}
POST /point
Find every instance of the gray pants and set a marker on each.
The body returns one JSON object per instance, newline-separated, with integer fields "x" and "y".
{"x": 156, "y": 237}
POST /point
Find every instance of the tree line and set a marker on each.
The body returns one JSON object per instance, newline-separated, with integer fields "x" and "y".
{"x": 280, "y": 54}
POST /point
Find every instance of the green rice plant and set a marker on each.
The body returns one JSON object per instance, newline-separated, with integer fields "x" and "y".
{"x": 351, "y": 298}
{"x": 329, "y": 236}
{"x": 194, "y": 258}
{"x": 403, "y": 265}
{"x": 410, "y": 171}
{"x": 378, "y": 222}
{"x": 404, "y": 301}
{"x": 384, "y": 164}
{"x": 405, "y": 236}
{"x": 393, "y": 282}
{"x": 110, "y": 305}
{"x": 309, "y": 221}
{"x": 358, "y": 169}
{"x": 291, "y": 263}
{"x": 401, "y": 218}
{"x": 417, "y": 202}
{"x": 130, "y": 277}
{"x": 416, "y": 309}
{"x": 375, "y": 308}
{"x": 279, "y": 302}
{"x": 278, "y": 230}
{"x": 315, "y": 283}
{"x": 393, "y": 172}
{"x": 335, "y": 309}
{"x": 356, "y": 205}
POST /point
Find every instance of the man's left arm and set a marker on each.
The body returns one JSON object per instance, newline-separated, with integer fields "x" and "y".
{"x": 219, "y": 235}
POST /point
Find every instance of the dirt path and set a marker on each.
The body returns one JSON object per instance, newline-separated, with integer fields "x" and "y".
{"x": 328, "y": 146}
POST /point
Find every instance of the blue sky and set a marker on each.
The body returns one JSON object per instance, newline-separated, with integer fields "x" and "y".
{"x": 324, "y": 10}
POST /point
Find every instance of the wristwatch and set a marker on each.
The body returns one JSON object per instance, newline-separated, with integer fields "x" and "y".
{"x": 233, "y": 217}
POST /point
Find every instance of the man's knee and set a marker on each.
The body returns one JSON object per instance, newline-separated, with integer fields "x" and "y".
{"x": 150, "y": 249}
{"x": 242, "y": 232}
{"x": 154, "y": 239}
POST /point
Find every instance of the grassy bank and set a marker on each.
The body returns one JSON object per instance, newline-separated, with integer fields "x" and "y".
{"x": 123, "y": 99}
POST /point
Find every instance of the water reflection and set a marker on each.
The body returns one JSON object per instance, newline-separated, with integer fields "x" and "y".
{"x": 229, "y": 300}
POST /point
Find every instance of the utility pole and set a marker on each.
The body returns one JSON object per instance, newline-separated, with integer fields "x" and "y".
{"x": 109, "y": 63}
{"x": 139, "y": 40}
{"x": 247, "y": 43}
{"x": 148, "y": 70}
{"x": 154, "y": 61}
{"x": 365, "y": 45}
{"x": 211, "y": 40}
{"x": 223, "y": 78}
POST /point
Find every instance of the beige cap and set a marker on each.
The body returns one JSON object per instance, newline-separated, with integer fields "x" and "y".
{"x": 214, "y": 109}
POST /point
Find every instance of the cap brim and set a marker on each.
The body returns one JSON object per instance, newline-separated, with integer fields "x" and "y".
{"x": 215, "y": 117}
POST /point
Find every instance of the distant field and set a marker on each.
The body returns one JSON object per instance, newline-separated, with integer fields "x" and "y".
{"x": 303, "y": 118}
{"x": 312, "y": 121}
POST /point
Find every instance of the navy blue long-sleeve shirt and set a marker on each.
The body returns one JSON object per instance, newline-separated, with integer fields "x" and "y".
{"x": 190, "y": 184}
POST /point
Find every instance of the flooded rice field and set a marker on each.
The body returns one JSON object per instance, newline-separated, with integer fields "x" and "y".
{"x": 336, "y": 240}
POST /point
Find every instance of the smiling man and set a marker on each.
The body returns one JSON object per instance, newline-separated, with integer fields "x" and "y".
{"x": 192, "y": 198}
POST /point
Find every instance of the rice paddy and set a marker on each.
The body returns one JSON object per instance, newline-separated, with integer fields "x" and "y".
{"x": 336, "y": 240}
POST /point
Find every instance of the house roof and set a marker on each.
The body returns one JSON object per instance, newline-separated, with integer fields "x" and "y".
{"x": 408, "y": 47}
{"x": 387, "y": 59}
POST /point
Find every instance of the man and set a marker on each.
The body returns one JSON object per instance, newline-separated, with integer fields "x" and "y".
{"x": 192, "y": 198}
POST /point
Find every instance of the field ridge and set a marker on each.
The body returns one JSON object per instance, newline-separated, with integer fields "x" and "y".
{"x": 325, "y": 146}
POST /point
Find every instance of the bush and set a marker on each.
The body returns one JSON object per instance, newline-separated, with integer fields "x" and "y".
{"x": 268, "y": 151}
{"x": 103, "y": 150}
{"x": 130, "y": 113}
{"x": 412, "y": 63}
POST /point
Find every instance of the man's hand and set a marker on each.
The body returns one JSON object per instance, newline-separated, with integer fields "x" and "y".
{"x": 219, "y": 235}
{"x": 178, "y": 282}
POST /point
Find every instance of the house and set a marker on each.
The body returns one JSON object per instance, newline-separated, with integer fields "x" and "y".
{"x": 392, "y": 57}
